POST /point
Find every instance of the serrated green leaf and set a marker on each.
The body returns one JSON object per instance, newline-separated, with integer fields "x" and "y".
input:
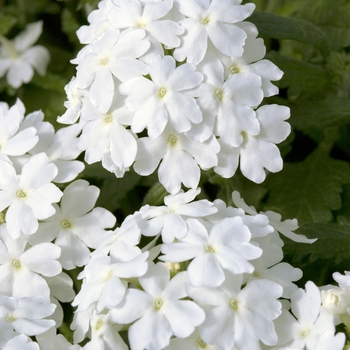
{"x": 155, "y": 195}
{"x": 333, "y": 243}
{"x": 331, "y": 17}
{"x": 320, "y": 113}
{"x": 309, "y": 190}
{"x": 279, "y": 27}
{"x": 299, "y": 76}
{"x": 6, "y": 23}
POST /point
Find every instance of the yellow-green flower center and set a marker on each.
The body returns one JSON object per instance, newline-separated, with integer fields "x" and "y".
{"x": 104, "y": 61}
{"x": 108, "y": 118}
{"x": 209, "y": 249}
{"x": 234, "y": 304}
{"x": 16, "y": 264}
{"x": 219, "y": 94}
{"x": 234, "y": 69}
{"x": 204, "y": 20}
{"x": 65, "y": 224}
{"x": 158, "y": 303}
{"x": 172, "y": 140}
{"x": 98, "y": 324}
{"x": 162, "y": 92}
{"x": 20, "y": 194}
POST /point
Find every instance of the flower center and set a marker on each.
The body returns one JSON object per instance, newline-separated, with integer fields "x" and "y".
{"x": 98, "y": 324}
{"x": 20, "y": 194}
{"x": 204, "y": 20}
{"x": 305, "y": 333}
{"x": 209, "y": 249}
{"x": 16, "y": 264}
{"x": 234, "y": 304}
{"x": 162, "y": 92}
{"x": 234, "y": 69}
{"x": 141, "y": 24}
{"x": 10, "y": 318}
{"x": 108, "y": 275}
{"x": 108, "y": 118}
{"x": 104, "y": 61}
{"x": 172, "y": 140}
{"x": 65, "y": 224}
{"x": 219, "y": 94}
{"x": 158, "y": 303}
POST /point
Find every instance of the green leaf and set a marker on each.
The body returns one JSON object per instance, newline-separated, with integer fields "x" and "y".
{"x": 70, "y": 25}
{"x": 114, "y": 191}
{"x": 332, "y": 17}
{"x": 309, "y": 190}
{"x": 320, "y": 113}
{"x": 6, "y": 23}
{"x": 250, "y": 191}
{"x": 333, "y": 243}
{"x": 50, "y": 81}
{"x": 279, "y": 27}
{"x": 155, "y": 195}
{"x": 299, "y": 76}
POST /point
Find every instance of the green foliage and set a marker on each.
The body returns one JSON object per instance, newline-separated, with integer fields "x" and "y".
{"x": 6, "y": 23}
{"x": 300, "y": 77}
{"x": 333, "y": 243}
{"x": 279, "y": 27}
{"x": 309, "y": 190}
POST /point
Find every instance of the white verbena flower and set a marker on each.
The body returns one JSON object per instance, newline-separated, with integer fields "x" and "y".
{"x": 224, "y": 246}
{"x": 238, "y": 316}
{"x": 22, "y": 267}
{"x": 132, "y": 15}
{"x": 76, "y": 225}
{"x": 28, "y": 197}
{"x": 158, "y": 311}
{"x": 25, "y": 315}
{"x": 169, "y": 220}
{"x": 164, "y": 98}
{"x": 214, "y": 20}
{"x": 19, "y": 58}
{"x": 181, "y": 158}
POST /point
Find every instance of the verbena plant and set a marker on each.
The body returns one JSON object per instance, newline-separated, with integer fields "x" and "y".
{"x": 174, "y": 174}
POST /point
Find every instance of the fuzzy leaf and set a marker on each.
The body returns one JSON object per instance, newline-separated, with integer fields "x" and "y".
{"x": 333, "y": 243}
{"x": 279, "y": 27}
{"x": 250, "y": 191}
{"x": 321, "y": 113}
{"x": 309, "y": 190}
{"x": 299, "y": 76}
{"x": 155, "y": 195}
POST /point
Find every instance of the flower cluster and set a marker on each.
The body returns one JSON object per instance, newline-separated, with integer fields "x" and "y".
{"x": 176, "y": 84}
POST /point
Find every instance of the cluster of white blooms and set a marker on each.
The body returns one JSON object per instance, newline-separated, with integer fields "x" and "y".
{"x": 215, "y": 280}
{"x": 19, "y": 58}
{"x": 176, "y": 83}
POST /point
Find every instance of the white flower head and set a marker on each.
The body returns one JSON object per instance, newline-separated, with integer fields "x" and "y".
{"x": 215, "y": 20}
{"x": 164, "y": 98}
{"x": 224, "y": 246}
{"x": 28, "y": 197}
{"x": 169, "y": 220}
{"x": 19, "y": 58}
{"x": 181, "y": 158}
{"x": 158, "y": 311}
